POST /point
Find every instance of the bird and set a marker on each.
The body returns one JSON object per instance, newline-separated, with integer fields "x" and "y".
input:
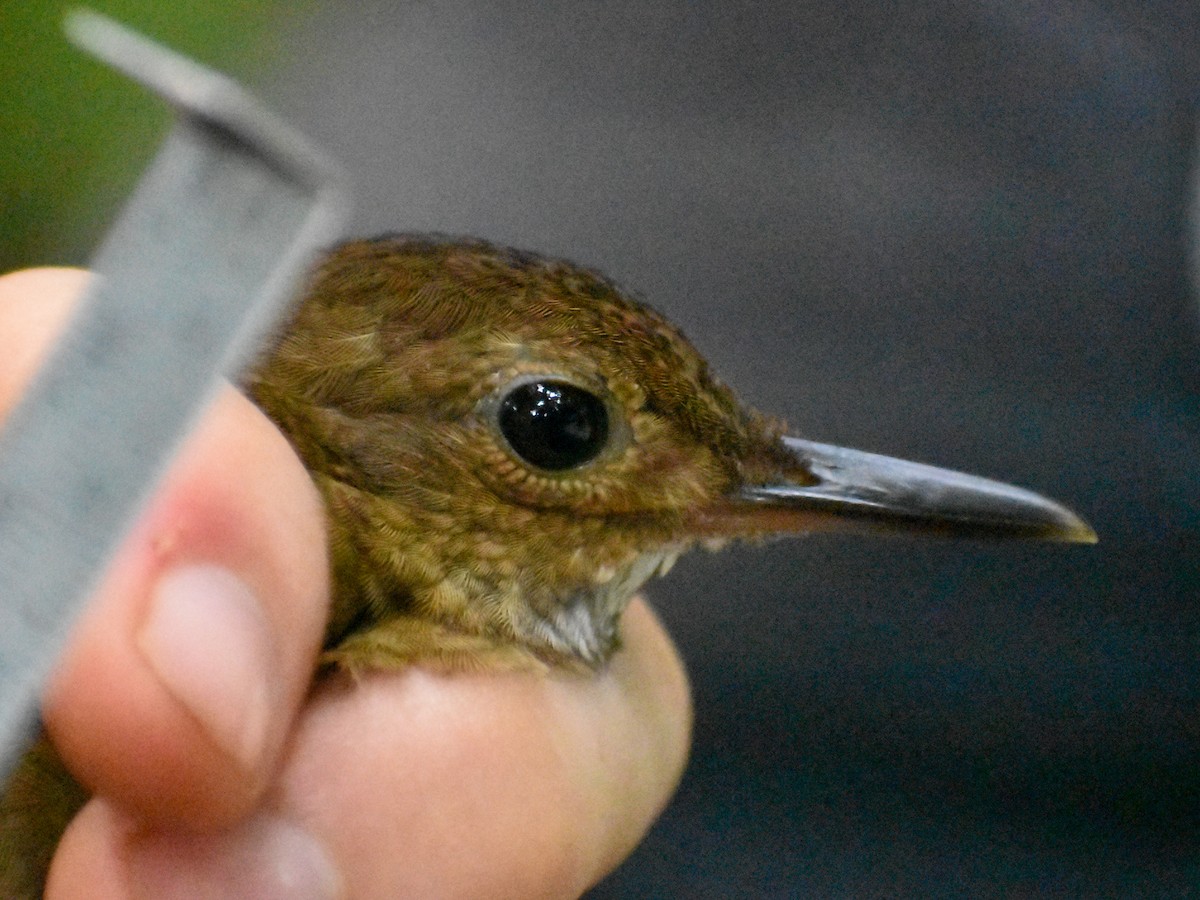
{"x": 509, "y": 446}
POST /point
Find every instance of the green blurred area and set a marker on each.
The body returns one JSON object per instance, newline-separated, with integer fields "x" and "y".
{"x": 74, "y": 135}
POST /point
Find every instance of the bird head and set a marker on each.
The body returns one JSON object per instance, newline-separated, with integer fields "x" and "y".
{"x": 510, "y": 446}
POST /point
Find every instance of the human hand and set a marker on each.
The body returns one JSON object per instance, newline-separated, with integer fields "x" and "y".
{"x": 183, "y": 703}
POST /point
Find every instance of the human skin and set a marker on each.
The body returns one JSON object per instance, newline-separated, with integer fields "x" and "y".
{"x": 183, "y": 702}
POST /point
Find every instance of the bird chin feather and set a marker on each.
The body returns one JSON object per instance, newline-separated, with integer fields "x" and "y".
{"x": 585, "y": 626}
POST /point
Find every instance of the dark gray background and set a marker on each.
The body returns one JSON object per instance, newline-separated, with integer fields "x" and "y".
{"x": 954, "y": 231}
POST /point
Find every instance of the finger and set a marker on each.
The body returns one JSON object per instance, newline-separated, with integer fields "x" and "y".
{"x": 34, "y": 307}
{"x": 496, "y": 785}
{"x": 184, "y": 673}
{"x": 412, "y": 784}
{"x": 105, "y": 857}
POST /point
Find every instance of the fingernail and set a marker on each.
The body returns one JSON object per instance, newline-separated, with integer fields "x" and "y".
{"x": 207, "y": 639}
{"x": 266, "y": 858}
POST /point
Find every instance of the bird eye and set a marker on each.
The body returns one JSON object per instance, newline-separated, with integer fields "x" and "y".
{"x": 553, "y": 424}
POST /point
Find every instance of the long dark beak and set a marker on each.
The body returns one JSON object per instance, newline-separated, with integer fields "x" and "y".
{"x": 852, "y": 490}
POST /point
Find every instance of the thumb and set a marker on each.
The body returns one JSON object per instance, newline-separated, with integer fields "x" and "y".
{"x": 184, "y": 673}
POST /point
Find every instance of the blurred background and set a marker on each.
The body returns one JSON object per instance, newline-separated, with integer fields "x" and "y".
{"x": 952, "y": 230}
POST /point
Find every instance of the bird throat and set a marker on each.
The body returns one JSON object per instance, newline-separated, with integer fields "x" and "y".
{"x": 584, "y": 625}
{"x": 409, "y": 593}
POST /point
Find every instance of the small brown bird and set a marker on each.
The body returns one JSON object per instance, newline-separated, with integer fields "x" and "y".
{"x": 510, "y": 446}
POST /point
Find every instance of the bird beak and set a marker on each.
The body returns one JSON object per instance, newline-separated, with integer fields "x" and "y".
{"x": 848, "y": 490}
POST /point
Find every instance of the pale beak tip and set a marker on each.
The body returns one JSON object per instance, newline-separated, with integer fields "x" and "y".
{"x": 1074, "y": 530}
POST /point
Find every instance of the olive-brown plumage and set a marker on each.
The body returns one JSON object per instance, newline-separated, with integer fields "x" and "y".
{"x": 509, "y": 447}
{"x": 449, "y": 545}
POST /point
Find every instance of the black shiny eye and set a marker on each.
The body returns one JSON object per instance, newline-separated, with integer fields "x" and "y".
{"x": 553, "y": 425}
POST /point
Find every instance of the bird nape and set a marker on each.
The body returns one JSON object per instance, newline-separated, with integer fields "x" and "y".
{"x": 508, "y": 447}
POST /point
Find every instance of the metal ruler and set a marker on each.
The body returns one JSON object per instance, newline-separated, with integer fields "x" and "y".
{"x": 201, "y": 263}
